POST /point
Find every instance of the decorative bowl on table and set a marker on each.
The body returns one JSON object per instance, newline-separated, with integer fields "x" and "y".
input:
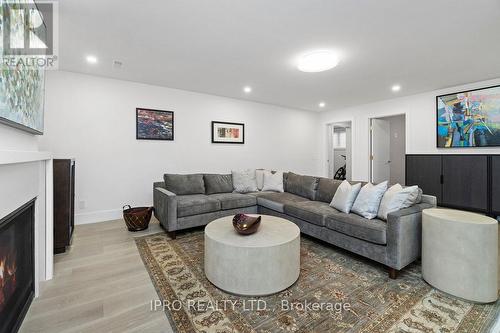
{"x": 246, "y": 224}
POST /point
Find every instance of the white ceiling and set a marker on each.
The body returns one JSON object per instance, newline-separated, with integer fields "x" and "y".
{"x": 219, "y": 46}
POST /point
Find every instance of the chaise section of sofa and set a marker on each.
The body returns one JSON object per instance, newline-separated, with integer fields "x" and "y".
{"x": 193, "y": 209}
{"x": 306, "y": 201}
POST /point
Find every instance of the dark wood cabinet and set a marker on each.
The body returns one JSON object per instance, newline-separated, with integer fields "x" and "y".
{"x": 467, "y": 182}
{"x": 64, "y": 203}
{"x": 495, "y": 185}
{"x": 430, "y": 180}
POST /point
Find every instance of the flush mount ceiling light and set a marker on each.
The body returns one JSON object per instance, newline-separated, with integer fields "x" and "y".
{"x": 322, "y": 104}
{"x": 396, "y": 88}
{"x": 318, "y": 61}
{"x": 91, "y": 59}
{"x": 247, "y": 89}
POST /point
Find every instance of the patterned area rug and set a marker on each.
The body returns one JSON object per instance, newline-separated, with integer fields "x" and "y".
{"x": 336, "y": 292}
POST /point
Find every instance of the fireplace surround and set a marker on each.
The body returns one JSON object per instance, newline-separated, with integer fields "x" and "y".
{"x": 17, "y": 266}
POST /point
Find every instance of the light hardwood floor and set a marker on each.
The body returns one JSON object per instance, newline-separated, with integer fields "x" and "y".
{"x": 99, "y": 285}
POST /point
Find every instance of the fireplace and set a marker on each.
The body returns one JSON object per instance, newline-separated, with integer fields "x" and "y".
{"x": 17, "y": 268}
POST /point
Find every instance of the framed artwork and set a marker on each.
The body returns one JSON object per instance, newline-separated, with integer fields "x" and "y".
{"x": 154, "y": 124}
{"x": 223, "y": 132}
{"x": 469, "y": 118}
{"x": 22, "y": 93}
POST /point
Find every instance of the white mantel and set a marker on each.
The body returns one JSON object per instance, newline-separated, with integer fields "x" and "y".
{"x": 10, "y": 158}
{"x": 16, "y": 156}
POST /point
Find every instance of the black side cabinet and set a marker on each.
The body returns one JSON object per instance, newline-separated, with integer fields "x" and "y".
{"x": 495, "y": 185}
{"x": 468, "y": 182}
{"x": 64, "y": 203}
{"x": 465, "y": 182}
{"x": 425, "y": 171}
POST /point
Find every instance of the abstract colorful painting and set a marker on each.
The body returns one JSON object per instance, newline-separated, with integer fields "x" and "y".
{"x": 469, "y": 119}
{"x": 22, "y": 98}
{"x": 154, "y": 124}
{"x": 223, "y": 132}
{"x": 22, "y": 88}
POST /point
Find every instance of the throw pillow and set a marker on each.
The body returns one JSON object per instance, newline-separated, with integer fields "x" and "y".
{"x": 397, "y": 198}
{"x": 345, "y": 196}
{"x": 244, "y": 181}
{"x": 368, "y": 200}
{"x": 184, "y": 184}
{"x": 259, "y": 173}
{"x": 273, "y": 181}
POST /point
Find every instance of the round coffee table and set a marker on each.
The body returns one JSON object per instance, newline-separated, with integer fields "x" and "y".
{"x": 263, "y": 263}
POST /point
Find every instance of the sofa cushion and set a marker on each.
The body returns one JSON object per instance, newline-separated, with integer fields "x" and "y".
{"x": 311, "y": 211}
{"x": 234, "y": 200}
{"x": 305, "y": 186}
{"x": 326, "y": 189}
{"x": 277, "y": 201}
{"x": 195, "y": 204}
{"x": 218, "y": 183}
{"x": 184, "y": 184}
{"x": 356, "y": 226}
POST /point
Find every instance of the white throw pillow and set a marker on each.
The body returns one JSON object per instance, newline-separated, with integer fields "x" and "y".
{"x": 244, "y": 181}
{"x": 259, "y": 173}
{"x": 397, "y": 198}
{"x": 368, "y": 200}
{"x": 345, "y": 196}
{"x": 273, "y": 181}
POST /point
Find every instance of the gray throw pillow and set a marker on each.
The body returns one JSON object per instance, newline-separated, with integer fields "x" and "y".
{"x": 244, "y": 181}
{"x": 304, "y": 186}
{"x": 218, "y": 184}
{"x": 185, "y": 184}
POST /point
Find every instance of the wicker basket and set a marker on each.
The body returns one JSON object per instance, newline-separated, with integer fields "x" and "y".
{"x": 137, "y": 218}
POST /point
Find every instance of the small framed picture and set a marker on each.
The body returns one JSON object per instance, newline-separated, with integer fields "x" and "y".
{"x": 154, "y": 124}
{"x": 223, "y": 132}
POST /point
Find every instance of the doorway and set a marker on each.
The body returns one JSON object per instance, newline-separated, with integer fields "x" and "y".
{"x": 339, "y": 150}
{"x": 388, "y": 149}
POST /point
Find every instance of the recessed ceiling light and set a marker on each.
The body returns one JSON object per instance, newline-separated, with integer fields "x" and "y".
{"x": 322, "y": 104}
{"x": 396, "y": 88}
{"x": 318, "y": 61}
{"x": 91, "y": 59}
{"x": 247, "y": 89}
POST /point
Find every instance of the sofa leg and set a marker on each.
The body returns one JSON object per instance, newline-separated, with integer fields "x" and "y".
{"x": 393, "y": 273}
{"x": 171, "y": 234}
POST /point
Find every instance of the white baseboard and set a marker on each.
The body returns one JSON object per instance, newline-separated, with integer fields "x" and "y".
{"x": 98, "y": 216}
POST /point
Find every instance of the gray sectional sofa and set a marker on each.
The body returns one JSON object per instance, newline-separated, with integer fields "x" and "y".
{"x": 183, "y": 202}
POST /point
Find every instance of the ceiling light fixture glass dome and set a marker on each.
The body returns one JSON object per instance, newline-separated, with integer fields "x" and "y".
{"x": 318, "y": 61}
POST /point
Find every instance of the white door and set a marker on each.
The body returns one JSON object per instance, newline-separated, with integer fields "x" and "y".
{"x": 381, "y": 150}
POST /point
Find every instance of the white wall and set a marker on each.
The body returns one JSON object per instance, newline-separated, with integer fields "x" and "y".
{"x": 420, "y": 111}
{"x": 93, "y": 120}
{"x": 14, "y": 139}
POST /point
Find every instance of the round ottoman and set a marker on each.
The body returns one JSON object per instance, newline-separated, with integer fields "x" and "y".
{"x": 460, "y": 253}
{"x": 259, "y": 264}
